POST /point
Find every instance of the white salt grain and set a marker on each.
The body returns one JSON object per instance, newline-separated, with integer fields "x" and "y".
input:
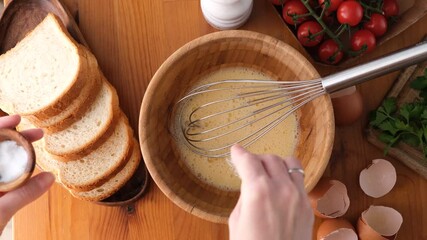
{"x": 13, "y": 161}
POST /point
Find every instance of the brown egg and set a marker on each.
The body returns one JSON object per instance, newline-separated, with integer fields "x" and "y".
{"x": 336, "y": 229}
{"x": 329, "y": 199}
{"x": 348, "y": 106}
{"x": 379, "y": 223}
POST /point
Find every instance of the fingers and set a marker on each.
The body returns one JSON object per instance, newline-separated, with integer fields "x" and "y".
{"x": 297, "y": 177}
{"x": 13, "y": 120}
{"x": 14, "y": 200}
{"x": 9, "y": 121}
{"x": 247, "y": 165}
{"x": 33, "y": 135}
{"x": 275, "y": 167}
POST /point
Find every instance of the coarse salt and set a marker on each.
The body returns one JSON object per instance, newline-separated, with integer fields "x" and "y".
{"x": 13, "y": 161}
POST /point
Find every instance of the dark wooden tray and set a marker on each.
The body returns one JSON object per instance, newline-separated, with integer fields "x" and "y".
{"x": 18, "y": 19}
{"x": 410, "y": 156}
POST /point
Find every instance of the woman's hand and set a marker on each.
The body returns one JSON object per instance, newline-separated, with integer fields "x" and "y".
{"x": 273, "y": 203}
{"x": 11, "y": 202}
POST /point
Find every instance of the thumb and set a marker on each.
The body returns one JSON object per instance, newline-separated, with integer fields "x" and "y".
{"x": 14, "y": 200}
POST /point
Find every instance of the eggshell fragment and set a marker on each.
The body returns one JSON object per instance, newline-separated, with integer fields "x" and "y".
{"x": 379, "y": 223}
{"x": 329, "y": 199}
{"x": 378, "y": 179}
{"x": 336, "y": 229}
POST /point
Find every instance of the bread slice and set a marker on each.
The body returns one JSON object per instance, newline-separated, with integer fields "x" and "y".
{"x": 116, "y": 182}
{"x": 93, "y": 83}
{"x": 93, "y": 169}
{"x": 90, "y": 126}
{"x": 42, "y": 73}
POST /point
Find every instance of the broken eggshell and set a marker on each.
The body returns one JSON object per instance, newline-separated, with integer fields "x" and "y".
{"x": 378, "y": 178}
{"x": 329, "y": 199}
{"x": 336, "y": 229}
{"x": 379, "y": 223}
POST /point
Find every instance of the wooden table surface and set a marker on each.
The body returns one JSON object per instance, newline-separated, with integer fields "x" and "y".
{"x": 131, "y": 39}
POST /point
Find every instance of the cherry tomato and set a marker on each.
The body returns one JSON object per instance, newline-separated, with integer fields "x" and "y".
{"x": 350, "y": 12}
{"x": 307, "y": 30}
{"x": 333, "y": 5}
{"x": 292, "y": 8}
{"x": 363, "y": 39}
{"x": 329, "y": 52}
{"x": 377, "y": 24}
{"x": 390, "y": 8}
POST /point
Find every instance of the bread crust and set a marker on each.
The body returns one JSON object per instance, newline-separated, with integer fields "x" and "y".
{"x": 96, "y": 182}
{"x": 117, "y": 181}
{"x": 92, "y": 85}
{"x": 69, "y": 93}
{"x": 82, "y": 149}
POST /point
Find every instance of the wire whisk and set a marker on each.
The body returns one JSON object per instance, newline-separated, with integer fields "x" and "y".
{"x": 243, "y": 111}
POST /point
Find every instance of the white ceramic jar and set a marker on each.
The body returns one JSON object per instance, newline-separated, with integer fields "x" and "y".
{"x": 226, "y": 14}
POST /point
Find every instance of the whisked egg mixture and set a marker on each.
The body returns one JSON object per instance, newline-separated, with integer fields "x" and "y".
{"x": 219, "y": 172}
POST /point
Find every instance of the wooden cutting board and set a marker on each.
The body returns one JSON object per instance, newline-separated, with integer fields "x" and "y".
{"x": 408, "y": 155}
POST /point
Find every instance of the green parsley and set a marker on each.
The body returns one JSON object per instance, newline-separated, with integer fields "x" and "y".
{"x": 406, "y": 123}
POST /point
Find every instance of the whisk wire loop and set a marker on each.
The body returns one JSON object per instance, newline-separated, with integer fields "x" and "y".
{"x": 285, "y": 98}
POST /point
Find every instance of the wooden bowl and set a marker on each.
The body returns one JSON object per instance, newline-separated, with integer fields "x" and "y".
{"x": 9, "y": 134}
{"x": 178, "y": 74}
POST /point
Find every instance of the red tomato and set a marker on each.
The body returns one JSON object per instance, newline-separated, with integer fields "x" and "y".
{"x": 377, "y": 24}
{"x": 307, "y": 30}
{"x": 363, "y": 39}
{"x": 333, "y": 5}
{"x": 350, "y": 12}
{"x": 292, "y": 8}
{"x": 329, "y": 52}
{"x": 390, "y": 8}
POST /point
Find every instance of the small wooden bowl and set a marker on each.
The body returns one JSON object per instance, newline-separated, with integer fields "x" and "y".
{"x": 178, "y": 74}
{"x": 9, "y": 134}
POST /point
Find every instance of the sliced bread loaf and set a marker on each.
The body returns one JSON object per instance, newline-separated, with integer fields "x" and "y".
{"x": 116, "y": 182}
{"x": 99, "y": 165}
{"x": 94, "y": 169}
{"x": 93, "y": 83}
{"x": 42, "y": 73}
{"x": 89, "y": 127}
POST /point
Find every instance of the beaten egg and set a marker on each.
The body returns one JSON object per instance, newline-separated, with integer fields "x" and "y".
{"x": 219, "y": 172}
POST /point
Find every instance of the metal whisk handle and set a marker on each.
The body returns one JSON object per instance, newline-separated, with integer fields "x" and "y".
{"x": 361, "y": 73}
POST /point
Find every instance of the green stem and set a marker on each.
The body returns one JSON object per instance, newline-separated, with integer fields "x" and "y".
{"x": 324, "y": 26}
{"x": 341, "y": 29}
{"x": 317, "y": 34}
{"x": 303, "y": 15}
{"x": 368, "y": 7}
{"x": 323, "y": 10}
